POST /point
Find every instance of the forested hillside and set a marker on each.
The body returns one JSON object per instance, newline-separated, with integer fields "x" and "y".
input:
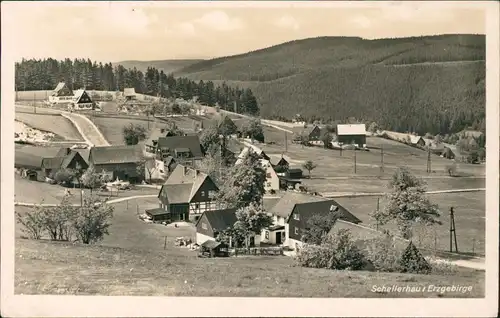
{"x": 423, "y": 84}
{"x": 167, "y": 66}
{"x": 81, "y": 73}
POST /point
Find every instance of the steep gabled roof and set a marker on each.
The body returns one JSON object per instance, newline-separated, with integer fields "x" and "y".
{"x": 52, "y": 163}
{"x": 192, "y": 142}
{"x": 176, "y": 193}
{"x": 220, "y": 220}
{"x": 155, "y": 135}
{"x": 185, "y": 175}
{"x": 351, "y": 129}
{"x": 415, "y": 139}
{"x": 59, "y": 87}
{"x": 115, "y": 154}
{"x": 79, "y": 94}
{"x": 308, "y": 209}
{"x": 308, "y": 205}
{"x": 287, "y": 203}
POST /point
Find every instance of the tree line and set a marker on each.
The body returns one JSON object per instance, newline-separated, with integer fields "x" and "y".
{"x": 44, "y": 74}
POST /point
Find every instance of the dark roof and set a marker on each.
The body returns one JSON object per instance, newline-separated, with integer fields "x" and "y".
{"x": 285, "y": 205}
{"x": 294, "y": 170}
{"x": 309, "y": 209}
{"x": 169, "y": 160}
{"x": 276, "y": 228}
{"x": 221, "y": 220}
{"x": 191, "y": 142}
{"x": 156, "y": 211}
{"x": 52, "y": 163}
{"x": 210, "y": 244}
{"x": 182, "y": 150}
{"x": 308, "y": 205}
{"x": 155, "y": 135}
{"x": 115, "y": 154}
{"x": 282, "y": 162}
{"x": 25, "y": 160}
{"x": 176, "y": 193}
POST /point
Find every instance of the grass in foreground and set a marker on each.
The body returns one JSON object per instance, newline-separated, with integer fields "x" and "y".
{"x": 58, "y": 268}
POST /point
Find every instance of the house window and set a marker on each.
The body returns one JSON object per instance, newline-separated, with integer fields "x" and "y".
{"x": 267, "y": 235}
{"x": 204, "y": 226}
{"x": 269, "y": 184}
{"x": 268, "y": 175}
{"x": 203, "y": 193}
{"x": 296, "y": 216}
{"x": 296, "y": 231}
{"x": 211, "y": 194}
{"x": 196, "y": 206}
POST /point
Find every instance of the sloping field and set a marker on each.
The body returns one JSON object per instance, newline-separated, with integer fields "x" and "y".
{"x": 331, "y": 163}
{"x": 469, "y": 220}
{"x": 51, "y": 123}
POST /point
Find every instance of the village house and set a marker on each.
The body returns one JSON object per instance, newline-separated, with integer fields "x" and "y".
{"x": 414, "y": 140}
{"x": 310, "y": 133}
{"x": 225, "y": 124}
{"x": 151, "y": 143}
{"x": 272, "y": 182}
{"x": 82, "y": 101}
{"x": 187, "y": 193}
{"x": 118, "y": 162}
{"x": 348, "y": 134}
{"x": 291, "y": 213}
{"x": 61, "y": 94}
{"x": 211, "y": 223}
{"x": 28, "y": 166}
{"x": 184, "y": 149}
{"x": 65, "y": 159}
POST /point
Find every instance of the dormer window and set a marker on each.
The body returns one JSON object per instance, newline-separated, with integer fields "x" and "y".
{"x": 296, "y": 216}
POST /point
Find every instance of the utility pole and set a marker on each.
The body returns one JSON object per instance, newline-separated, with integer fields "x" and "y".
{"x": 453, "y": 232}
{"x": 286, "y": 142}
{"x": 429, "y": 161}
{"x": 378, "y": 209}
{"x": 382, "y": 159}
{"x": 354, "y": 160}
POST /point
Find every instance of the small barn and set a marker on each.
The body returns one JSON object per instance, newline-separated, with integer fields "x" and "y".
{"x": 417, "y": 141}
{"x": 120, "y": 161}
{"x": 212, "y": 248}
{"x": 158, "y": 215}
{"x": 448, "y": 153}
{"x": 352, "y": 134}
{"x": 129, "y": 93}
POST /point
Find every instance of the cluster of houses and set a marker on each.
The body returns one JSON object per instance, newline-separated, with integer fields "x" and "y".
{"x": 76, "y": 100}
{"x": 347, "y": 134}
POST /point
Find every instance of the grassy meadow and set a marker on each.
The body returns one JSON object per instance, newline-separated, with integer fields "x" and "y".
{"x": 128, "y": 262}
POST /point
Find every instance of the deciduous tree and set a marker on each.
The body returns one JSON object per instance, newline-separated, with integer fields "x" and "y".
{"x": 309, "y": 166}
{"x": 407, "y": 204}
{"x": 92, "y": 220}
{"x": 132, "y": 134}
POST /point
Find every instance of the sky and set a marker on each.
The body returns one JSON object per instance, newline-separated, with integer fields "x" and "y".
{"x": 112, "y": 32}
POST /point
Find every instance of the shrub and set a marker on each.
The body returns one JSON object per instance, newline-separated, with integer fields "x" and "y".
{"x": 451, "y": 169}
{"x": 382, "y": 254}
{"x": 412, "y": 261}
{"x": 338, "y": 251}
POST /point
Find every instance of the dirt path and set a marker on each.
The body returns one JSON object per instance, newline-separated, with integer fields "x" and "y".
{"x": 367, "y": 194}
{"x": 112, "y": 201}
{"x": 90, "y": 133}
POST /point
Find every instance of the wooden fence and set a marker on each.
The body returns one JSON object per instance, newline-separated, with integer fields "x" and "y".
{"x": 272, "y": 251}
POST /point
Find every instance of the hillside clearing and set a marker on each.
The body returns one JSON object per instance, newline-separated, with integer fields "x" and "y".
{"x": 59, "y": 268}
